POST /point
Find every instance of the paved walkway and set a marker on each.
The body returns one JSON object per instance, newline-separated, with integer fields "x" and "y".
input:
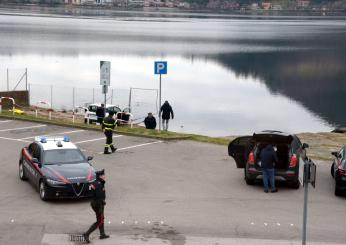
{"x": 63, "y": 239}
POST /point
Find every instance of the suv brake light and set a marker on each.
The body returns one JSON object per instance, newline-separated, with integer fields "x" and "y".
{"x": 251, "y": 159}
{"x": 342, "y": 172}
{"x": 294, "y": 161}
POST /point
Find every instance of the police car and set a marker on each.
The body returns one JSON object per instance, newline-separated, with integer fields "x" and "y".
{"x": 57, "y": 168}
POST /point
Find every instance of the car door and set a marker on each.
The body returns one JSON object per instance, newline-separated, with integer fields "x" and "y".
{"x": 28, "y": 163}
{"x": 239, "y": 149}
{"x": 339, "y": 160}
{"x": 37, "y": 153}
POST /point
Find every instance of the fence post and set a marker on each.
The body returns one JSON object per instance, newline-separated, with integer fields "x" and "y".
{"x": 36, "y": 113}
{"x": 8, "y": 85}
{"x": 112, "y": 97}
{"x": 50, "y": 115}
{"x": 73, "y": 103}
{"x": 29, "y": 93}
{"x": 26, "y": 79}
{"x": 93, "y": 96}
{"x": 51, "y": 96}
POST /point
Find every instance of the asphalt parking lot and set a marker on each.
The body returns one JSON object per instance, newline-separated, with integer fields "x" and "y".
{"x": 175, "y": 192}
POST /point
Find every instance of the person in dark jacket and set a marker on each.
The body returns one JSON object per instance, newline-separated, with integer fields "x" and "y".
{"x": 100, "y": 113}
{"x": 97, "y": 204}
{"x": 268, "y": 158}
{"x": 166, "y": 112}
{"x": 150, "y": 121}
{"x": 108, "y": 125}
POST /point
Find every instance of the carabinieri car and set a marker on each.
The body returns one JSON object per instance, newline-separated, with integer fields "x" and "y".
{"x": 57, "y": 168}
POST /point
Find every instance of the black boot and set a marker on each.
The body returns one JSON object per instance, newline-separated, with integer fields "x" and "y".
{"x": 104, "y": 236}
{"x": 106, "y": 151}
{"x": 86, "y": 238}
{"x": 113, "y": 148}
{"x": 102, "y": 232}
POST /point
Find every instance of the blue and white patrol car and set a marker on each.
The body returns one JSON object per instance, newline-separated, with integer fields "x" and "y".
{"x": 57, "y": 168}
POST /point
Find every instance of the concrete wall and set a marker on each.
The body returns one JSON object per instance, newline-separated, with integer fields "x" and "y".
{"x": 21, "y": 98}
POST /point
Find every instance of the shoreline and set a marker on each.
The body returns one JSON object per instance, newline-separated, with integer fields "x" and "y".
{"x": 109, "y": 11}
{"x": 321, "y": 144}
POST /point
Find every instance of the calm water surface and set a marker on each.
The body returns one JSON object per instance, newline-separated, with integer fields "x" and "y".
{"x": 226, "y": 76}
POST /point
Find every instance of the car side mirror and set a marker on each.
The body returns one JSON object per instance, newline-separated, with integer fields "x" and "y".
{"x": 335, "y": 153}
{"x": 305, "y": 146}
{"x": 90, "y": 158}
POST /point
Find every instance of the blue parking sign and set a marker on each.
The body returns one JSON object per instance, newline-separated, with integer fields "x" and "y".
{"x": 160, "y": 67}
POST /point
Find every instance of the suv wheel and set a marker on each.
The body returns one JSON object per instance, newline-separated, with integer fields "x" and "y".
{"x": 43, "y": 191}
{"x": 337, "y": 192}
{"x": 295, "y": 184}
{"x": 22, "y": 175}
{"x": 249, "y": 181}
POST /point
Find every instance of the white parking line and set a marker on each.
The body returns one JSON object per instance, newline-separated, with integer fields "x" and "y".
{"x": 103, "y": 138}
{"x": 5, "y": 121}
{"x": 11, "y": 129}
{"x": 134, "y": 146}
{"x": 20, "y": 140}
{"x": 67, "y": 132}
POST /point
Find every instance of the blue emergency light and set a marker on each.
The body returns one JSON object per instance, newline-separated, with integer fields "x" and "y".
{"x": 43, "y": 140}
{"x": 66, "y": 139}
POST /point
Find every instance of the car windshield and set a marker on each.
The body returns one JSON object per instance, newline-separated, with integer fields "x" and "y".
{"x": 92, "y": 108}
{"x": 62, "y": 156}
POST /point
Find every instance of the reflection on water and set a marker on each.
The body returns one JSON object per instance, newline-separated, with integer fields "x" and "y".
{"x": 226, "y": 76}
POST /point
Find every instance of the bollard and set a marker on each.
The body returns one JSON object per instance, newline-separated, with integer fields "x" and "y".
{"x": 50, "y": 115}
{"x": 36, "y": 113}
{"x": 73, "y": 119}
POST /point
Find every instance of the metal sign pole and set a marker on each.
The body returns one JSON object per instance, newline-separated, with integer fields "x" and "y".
{"x": 105, "y": 90}
{"x": 306, "y": 189}
{"x": 160, "y": 105}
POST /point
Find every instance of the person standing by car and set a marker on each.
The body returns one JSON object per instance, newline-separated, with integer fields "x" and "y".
{"x": 166, "y": 112}
{"x": 97, "y": 204}
{"x": 108, "y": 125}
{"x": 268, "y": 158}
{"x": 100, "y": 113}
{"x": 150, "y": 121}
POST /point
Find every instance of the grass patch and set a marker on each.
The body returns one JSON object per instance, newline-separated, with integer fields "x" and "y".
{"x": 135, "y": 131}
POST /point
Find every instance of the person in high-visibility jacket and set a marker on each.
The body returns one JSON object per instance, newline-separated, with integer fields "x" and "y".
{"x": 108, "y": 125}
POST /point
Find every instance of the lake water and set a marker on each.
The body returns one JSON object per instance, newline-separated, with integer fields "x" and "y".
{"x": 227, "y": 75}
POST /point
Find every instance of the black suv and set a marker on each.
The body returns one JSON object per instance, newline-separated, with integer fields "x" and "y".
{"x": 338, "y": 171}
{"x": 290, "y": 151}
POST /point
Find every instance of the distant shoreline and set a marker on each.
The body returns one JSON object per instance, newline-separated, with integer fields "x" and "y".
{"x": 89, "y": 10}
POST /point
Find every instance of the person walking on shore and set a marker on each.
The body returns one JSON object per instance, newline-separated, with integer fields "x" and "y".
{"x": 97, "y": 204}
{"x": 166, "y": 111}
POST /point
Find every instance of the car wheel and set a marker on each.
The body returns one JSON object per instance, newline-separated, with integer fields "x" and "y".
{"x": 332, "y": 170}
{"x": 337, "y": 192}
{"x": 295, "y": 184}
{"x": 249, "y": 181}
{"x": 43, "y": 191}
{"x": 22, "y": 175}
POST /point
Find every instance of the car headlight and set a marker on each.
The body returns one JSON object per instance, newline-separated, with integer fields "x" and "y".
{"x": 54, "y": 182}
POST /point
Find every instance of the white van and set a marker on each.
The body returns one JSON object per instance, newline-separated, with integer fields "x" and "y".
{"x": 90, "y": 113}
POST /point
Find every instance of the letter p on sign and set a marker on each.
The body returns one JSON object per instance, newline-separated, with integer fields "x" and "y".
{"x": 160, "y": 67}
